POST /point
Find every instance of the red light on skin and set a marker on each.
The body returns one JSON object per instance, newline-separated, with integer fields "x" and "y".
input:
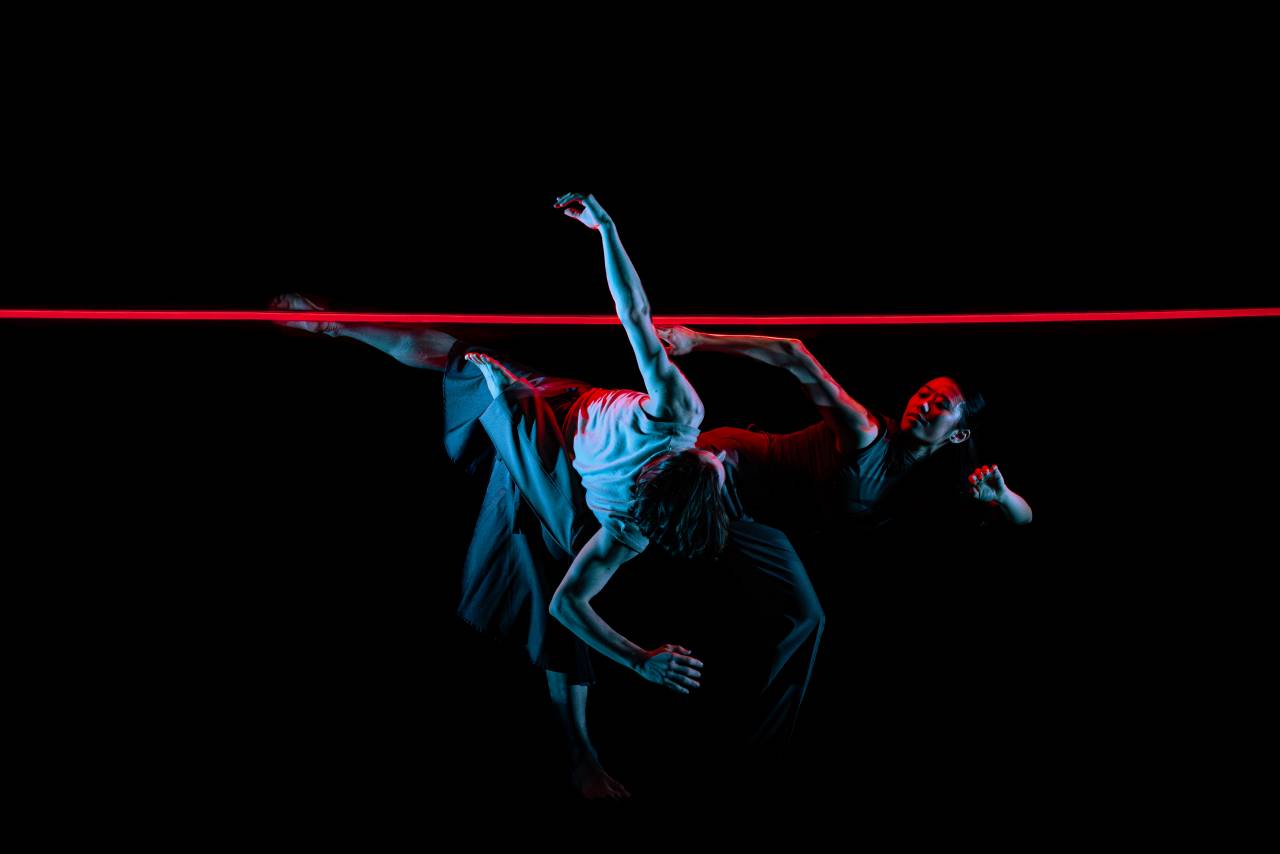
{"x": 609, "y": 320}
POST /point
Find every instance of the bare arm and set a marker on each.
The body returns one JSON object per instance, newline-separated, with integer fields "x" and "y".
{"x": 854, "y": 426}
{"x": 670, "y": 393}
{"x": 668, "y": 665}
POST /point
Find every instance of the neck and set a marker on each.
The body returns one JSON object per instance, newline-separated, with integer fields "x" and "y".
{"x": 917, "y": 452}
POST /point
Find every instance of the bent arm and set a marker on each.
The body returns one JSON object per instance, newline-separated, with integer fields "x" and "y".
{"x": 590, "y": 571}
{"x": 853, "y": 424}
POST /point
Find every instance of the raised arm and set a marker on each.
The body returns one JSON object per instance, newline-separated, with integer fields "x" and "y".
{"x": 854, "y": 426}
{"x": 669, "y": 665}
{"x": 669, "y": 392}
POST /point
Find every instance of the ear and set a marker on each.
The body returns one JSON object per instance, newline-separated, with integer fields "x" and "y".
{"x": 959, "y": 437}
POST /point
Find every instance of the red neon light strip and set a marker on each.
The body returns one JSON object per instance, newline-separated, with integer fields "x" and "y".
{"x": 607, "y": 320}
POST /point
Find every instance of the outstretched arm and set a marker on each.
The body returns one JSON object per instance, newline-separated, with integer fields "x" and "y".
{"x": 854, "y": 426}
{"x": 670, "y": 393}
{"x": 670, "y": 666}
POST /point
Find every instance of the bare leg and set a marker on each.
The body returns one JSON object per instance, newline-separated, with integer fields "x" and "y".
{"x": 586, "y": 775}
{"x": 416, "y": 346}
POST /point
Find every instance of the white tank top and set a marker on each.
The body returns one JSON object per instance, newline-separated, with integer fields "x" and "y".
{"x": 613, "y": 438}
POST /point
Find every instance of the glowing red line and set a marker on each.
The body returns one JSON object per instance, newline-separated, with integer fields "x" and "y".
{"x": 607, "y": 320}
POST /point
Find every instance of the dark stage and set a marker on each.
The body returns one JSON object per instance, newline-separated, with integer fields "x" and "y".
{"x": 248, "y": 538}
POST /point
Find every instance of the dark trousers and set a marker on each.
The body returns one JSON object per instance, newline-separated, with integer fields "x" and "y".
{"x": 765, "y": 566}
{"x": 532, "y": 518}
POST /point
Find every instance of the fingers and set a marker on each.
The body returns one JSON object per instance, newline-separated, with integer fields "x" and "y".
{"x": 567, "y": 198}
{"x": 680, "y": 684}
{"x": 683, "y": 673}
{"x": 981, "y": 473}
{"x": 680, "y": 671}
{"x": 987, "y": 481}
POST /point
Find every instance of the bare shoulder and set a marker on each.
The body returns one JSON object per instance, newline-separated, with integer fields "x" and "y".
{"x": 865, "y": 436}
{"x": 604, "y": 547}
{"x": 677, "y": 408}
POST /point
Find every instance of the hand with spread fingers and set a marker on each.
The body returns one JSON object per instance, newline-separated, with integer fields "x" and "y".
{"x": 987, "y": 483}
{"x": 585, "y": 209}
{"x": 677, "y": 340}
{"x": 672, "y": 667}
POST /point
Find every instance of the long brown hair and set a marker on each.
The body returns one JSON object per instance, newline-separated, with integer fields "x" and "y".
{"x": 678, "y": 505}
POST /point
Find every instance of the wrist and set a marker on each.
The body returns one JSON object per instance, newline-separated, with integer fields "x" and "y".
{"x": 636, "y": 660}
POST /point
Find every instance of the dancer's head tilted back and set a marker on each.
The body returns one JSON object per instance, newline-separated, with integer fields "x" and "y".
{"x": 678, "y": 503}
{"x": 940, "y": 413}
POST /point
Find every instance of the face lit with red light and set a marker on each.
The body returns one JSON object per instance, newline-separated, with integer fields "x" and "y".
{"x": 933, "y": 412}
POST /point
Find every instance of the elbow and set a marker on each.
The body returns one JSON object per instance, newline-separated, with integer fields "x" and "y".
{"x": 636, "y": 315}
{"x": 556, "y": 608}
{"x": 794, "y": 347}
{"x": 794, "y": 354}
{"x": 559, "y": 608}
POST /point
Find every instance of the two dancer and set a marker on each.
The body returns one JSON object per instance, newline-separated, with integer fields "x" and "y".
{"x": 586, "y": 478}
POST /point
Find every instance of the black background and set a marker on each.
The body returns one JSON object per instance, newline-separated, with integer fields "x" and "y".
{"x": 247, "y": 540}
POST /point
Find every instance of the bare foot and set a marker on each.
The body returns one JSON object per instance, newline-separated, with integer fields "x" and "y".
{"x": 593, "y": 782}
{"x": 496, "y": 375}
{"x": 297, "y": 302}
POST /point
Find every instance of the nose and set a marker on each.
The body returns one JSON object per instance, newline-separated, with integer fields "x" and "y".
{"x": 924, "y": 406}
